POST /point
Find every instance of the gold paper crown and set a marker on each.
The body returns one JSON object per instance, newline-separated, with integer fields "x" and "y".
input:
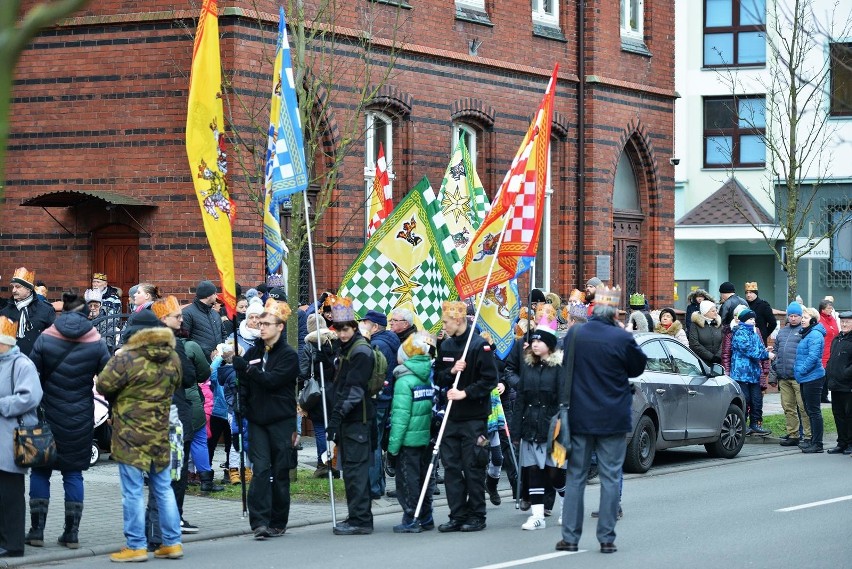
{"x": 277, "y": 308}
{"x": 165, "y": 306}
{"x": 329, "y": 300}
{"x": 100, "y": 276}
{"x": 751, "y": 286}
{"x": 608, "y": 296}
{"x": 342, "y": 310}
{"x": 24, "y": 277}
{"x": 454, "y": 309}
{"x": 545, "y": 311}
{"x": 577, "y": 296}
{"x": 8, "y": 328}
{"x": 418, "y": 344}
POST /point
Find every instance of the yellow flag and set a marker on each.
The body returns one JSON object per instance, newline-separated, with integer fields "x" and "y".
{"x": 205, "y": 148}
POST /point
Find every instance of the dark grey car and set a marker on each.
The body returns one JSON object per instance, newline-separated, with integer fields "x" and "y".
{"x": 680, "y": 401}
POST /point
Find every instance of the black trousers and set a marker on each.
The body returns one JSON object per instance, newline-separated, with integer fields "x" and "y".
{"x": 219, "y": 427}
{"x": 841, "y": 407}
{"x": 355, "y": 452}
{"x": 412, "y": 463}
{"x": 464, "y": 475}
{"x": 13, "y": 511}
{"x": 272, "y": 456}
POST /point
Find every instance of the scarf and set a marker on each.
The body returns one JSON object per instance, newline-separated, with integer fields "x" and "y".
{"x": 24, "y": 324}
{"x": 250, "y": 334}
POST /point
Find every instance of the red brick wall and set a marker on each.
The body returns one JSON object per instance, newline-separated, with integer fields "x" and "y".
{"x": 100, "y": 104}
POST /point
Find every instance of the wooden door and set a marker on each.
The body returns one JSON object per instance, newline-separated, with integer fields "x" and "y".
{"x": 116, "y": 253}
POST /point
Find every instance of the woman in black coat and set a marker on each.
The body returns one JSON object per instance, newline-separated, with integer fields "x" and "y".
{"x": 67, "y": 355}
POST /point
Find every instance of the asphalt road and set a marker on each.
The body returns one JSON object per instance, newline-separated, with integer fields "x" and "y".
{"x": 767, "y": 508}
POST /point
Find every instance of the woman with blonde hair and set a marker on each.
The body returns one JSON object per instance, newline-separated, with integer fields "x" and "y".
{"x": 810, "y": 374}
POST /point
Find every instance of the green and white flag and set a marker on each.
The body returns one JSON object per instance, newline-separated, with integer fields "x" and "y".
{"x": 462, "y": 199}
{"x": 409, "y": 262}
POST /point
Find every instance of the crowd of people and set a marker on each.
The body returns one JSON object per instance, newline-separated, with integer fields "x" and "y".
{"x": 180, "y": 379}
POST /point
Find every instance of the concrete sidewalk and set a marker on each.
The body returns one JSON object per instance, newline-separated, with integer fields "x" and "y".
{"x": 101, "y": 529}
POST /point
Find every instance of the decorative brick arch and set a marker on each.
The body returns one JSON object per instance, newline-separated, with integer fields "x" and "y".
{"x": 392, "y": 102}
{"x": 473, "y": 110}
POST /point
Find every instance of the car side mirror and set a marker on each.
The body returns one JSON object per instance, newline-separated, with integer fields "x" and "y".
{"x": 717, "y": 370}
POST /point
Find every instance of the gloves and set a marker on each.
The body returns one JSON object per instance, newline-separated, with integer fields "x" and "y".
{"x": 331, "y": 432}
{"x": 240, "y": 364}
{"x": 294, "y": 439}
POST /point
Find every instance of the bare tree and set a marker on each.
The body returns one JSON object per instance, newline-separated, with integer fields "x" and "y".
{"x": 316, "y": 37}
{"x": 15, "y": 34}
{"x": 796, "y": 128}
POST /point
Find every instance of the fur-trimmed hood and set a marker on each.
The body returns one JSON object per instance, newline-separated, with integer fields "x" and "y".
{"x": 155, "y": 344}
{"x": 700, "y": 319}
{"x": 699, "y": 292}
{"x": 552, "y": 360}
{"x": 328, "y": 336}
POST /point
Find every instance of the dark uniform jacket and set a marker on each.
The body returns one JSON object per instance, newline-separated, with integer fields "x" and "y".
{"x": 477, "y": 380}
{"x": 268, "y": 388}
{"x": 40, "y": 315}
{"x": 352, "y": 404}
{"x": 764, "y": 318}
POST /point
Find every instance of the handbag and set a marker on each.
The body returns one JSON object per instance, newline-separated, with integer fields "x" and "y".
{"x": 34, "y": 444}
{"x": 310, "y": 395}
{"x": 559, "y": 433}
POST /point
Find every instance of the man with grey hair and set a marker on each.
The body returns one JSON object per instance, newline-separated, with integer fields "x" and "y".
{"x": 605, "y": 357}
{"x": 401, "y": 322}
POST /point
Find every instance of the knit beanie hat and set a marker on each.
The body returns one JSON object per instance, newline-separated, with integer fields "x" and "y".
{"x": 312, "y": 323}
{"x": 705, "y": 307}
{"x": 746, "y": 315}
{"x": 727, "y": 287}
{"x": 595, "y": 282}
{"x": 794, "y": 308}
{"x": 545, "y": 332}
{"x": 205, "y": 289}
{"x": 255, "y": 307}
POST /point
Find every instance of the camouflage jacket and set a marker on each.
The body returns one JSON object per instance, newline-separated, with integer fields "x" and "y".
{"x": 139, "y": 382}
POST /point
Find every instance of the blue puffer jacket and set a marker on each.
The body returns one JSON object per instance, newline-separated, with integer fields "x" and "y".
{"x": 809, "y": 354}
{"x": 746, "y": 353}
{"x": 785, "y": 351}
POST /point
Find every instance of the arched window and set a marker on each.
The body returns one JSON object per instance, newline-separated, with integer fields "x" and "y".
{"x": 469, "y": 134}
{"x": 626, "y": 193}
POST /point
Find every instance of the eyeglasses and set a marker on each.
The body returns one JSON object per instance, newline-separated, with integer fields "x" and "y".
{"x": 265, "y": 324}
{"x": 396, "y": 320}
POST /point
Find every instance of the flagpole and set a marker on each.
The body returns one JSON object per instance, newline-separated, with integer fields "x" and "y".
{"x": 319, "y": 351}
{"x": 506, "y": 218}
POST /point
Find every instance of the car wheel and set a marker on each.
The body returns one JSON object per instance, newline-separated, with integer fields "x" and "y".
{"x": 731, "y": 436}
{"x": 96, "y": 454}
{"x": 642, "y": 447}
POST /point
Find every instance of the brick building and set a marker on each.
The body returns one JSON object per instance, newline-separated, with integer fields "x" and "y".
{"x": 98, "y": 176}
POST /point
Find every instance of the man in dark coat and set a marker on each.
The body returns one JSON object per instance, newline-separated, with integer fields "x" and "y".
{"x": 764, "y": 319}
{"x": 32, "y": 314}
{"x": 267, "y": 379}
{"x": 464, "y": 449}
{"x": 605, "y": 357}
{"x": 729, "y": 300}
{"x": 351, "y": 421}
{"x": 68, "y": 355}
{"x": 839, "y": 374}
{"x": 374, "y": 327}
{"x": 202, "y": 324}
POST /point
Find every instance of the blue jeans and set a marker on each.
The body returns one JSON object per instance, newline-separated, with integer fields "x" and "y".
{"x": 199, "y": 451}
{"x": 72, "y": 483}
{"x": 133, "y": 504}
{"x": 610, "y": 452}
{"x": 754, "y": 401}
{"x": 377, "y": 473}
{"x": 811, "y": 395}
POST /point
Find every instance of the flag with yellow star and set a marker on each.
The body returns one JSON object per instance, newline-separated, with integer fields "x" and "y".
{"x": 462, "y": 199}
{"x": 409, "y": 262}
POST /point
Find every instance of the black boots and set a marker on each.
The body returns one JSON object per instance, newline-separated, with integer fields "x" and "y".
{"x": 73, "y": 513}
{"x": 491, "y": 487}
{"x": 38, "y": 517}
{"x": 207, "y": 484}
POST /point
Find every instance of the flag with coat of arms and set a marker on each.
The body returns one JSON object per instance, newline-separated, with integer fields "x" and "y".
{"x": 464, "y": 205}
{"x": 409, "y": 262}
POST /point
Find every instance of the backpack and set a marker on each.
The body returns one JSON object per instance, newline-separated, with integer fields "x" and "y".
{"x": 380, "y": 368}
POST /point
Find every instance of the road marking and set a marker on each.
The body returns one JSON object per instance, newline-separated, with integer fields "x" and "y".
{"x": 528, "y": 560}
{"x": 814, "y": 504}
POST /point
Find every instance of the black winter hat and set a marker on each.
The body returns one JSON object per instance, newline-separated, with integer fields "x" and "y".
{"x": 205, "y": 289}
{"x": 278, "y": 293}
{"x": 727, "y": 287}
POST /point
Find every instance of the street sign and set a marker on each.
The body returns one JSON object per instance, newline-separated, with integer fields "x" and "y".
{"x": 821, "y": 251}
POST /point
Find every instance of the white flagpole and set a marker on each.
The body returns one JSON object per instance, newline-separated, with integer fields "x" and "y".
{"x": 506, "y": 216}
{"x": 317, "y": 309}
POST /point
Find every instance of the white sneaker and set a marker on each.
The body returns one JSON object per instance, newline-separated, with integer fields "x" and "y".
{"x": 534, "y": 523}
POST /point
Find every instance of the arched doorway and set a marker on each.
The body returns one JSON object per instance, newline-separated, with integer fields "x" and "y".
{"x": 626, "y": 230}
{"x": 115, "y": 250}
